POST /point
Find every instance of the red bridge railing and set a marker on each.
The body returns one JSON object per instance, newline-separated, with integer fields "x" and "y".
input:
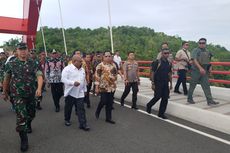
{"x": 144, "y": 70}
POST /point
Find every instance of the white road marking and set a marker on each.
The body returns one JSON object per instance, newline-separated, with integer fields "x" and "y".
{"x": 182, "y": 126}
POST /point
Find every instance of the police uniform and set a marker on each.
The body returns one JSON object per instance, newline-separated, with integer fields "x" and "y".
{"x": 203, "y": 57}
{"x": 132, "y": 78}
{"x": 162, "y": 69}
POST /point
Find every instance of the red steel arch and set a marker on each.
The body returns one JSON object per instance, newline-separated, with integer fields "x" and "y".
{"x": 27, "y": 26}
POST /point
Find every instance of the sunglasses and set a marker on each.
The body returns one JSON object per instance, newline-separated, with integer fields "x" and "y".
{"x": 166, "y": 53}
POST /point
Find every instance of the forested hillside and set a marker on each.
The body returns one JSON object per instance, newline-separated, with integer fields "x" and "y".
{"x": 144, "y": 41}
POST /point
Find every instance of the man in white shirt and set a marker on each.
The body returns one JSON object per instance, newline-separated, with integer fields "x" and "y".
{"x": 73, "y": 77}
{"x": 117, "y": 59}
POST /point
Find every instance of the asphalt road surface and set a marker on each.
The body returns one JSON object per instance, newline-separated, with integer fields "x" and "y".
{"x": 134, "y": 132}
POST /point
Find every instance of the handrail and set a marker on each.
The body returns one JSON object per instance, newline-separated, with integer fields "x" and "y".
{"x": 143, "y": 68}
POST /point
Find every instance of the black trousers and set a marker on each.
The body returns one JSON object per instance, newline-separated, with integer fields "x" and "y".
{"x": 181, "y": 79}
{"x": 86, "y": 99}
{"x": 134, "y": 86}
{"x": 57, "y": 93}
{"x": 107, "y": 100}
{"x": 79, "y": 104}
{"x": 161, "y": 92}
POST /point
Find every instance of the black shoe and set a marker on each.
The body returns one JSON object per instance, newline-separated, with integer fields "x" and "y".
{"x": 29, "y": 127}
{"x": 122, "y": 104}
{"x": 88, "y": 106}
{"x": 39, "y": 108}
{"x": 190, "y": 101}
{"x": 24, "y": 141}
{"x": 67, "y": 123}
{"x": 97, "y": 115}
{"x": 57, "y": 109}
{"x": 136, "y": 108}
{"x": 177, "y": 91}
{"x": 212, "y": 103}
{"x": 110, "y": 121}
{"x": 148, "y": 109}
{"x": 163, "y": 117}
{"x": 85, "y": 128}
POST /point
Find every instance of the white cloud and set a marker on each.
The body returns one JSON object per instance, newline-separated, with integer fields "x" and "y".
{"x": 188, "y": 19}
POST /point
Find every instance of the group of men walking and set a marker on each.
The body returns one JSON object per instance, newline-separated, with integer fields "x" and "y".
{"x": 25, "y": 78}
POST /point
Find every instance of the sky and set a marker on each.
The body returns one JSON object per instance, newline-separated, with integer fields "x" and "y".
{"x": 189, "y": 20}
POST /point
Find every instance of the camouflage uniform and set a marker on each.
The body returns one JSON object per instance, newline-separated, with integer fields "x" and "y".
{"x": 38, "y": 100}
{"x": 2, "y": 66}
{"x": 22, "y": 89}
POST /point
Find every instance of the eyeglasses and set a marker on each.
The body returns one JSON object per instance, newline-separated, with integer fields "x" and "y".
{"x": 202, "y": 42}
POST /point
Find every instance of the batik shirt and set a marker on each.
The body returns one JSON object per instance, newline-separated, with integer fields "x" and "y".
{"x": 106, "y": 76}
{"x": 53, "y": 68}
{"x": 23, "y": 77}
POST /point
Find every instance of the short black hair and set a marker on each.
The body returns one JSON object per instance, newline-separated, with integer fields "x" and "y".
{"x": 107, "y": 52}
{"x": 165, "y": 49}
{"x": 204, "y": 39}
{"x": 184, "y": 42}
{"x": 165, "y": 42}
{"x": 129, "y": 52}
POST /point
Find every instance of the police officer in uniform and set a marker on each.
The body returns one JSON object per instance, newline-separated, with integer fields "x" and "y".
{"x": 132, "y": 79}
{"x": 20, "y": 79}
{"x": 161, "y": 76}
{"x": 200, "y": 71}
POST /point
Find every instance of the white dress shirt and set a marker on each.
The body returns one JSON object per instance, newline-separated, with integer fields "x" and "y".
{"x": 117, "y": 59}
{"x": 71, "y": 74}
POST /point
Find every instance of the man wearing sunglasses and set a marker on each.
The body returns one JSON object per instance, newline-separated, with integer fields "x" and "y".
{"x": 161, "y": 76}
{"x": 200, "y": 70}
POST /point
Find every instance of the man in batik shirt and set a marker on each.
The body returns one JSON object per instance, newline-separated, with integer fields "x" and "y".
{"x": 105, "y": 81}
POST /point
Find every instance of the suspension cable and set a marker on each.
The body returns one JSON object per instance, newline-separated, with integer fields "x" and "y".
{"x": 110, "y": 26}
{"x": 63, "y": 31}
{"x": 41, "y": 27}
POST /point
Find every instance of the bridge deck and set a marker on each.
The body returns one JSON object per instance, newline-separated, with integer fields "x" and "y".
{"x": 133, "y": 132}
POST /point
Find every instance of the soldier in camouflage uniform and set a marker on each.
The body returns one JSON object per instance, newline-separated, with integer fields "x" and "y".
{"x": 2, "y": 67}
{"x": 200, "y": 71}
{"x": 33, "y": 56}
{"x": 20, "y": 79}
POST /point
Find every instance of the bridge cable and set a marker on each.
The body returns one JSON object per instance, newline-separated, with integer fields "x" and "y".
{"x": 110, "y": 27}
{"x": 41, "y": 27}
{"x": 63, "y": 30}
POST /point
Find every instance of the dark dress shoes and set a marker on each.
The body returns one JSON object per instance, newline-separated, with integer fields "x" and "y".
{"x": 57, "y": 109}
{"x": 163, "y": 117}
{"x": 177, "y": 91}
{"x": 85, "y": 128}
{"x": 67, "y": 123}
{"x": 110, "y": 121}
